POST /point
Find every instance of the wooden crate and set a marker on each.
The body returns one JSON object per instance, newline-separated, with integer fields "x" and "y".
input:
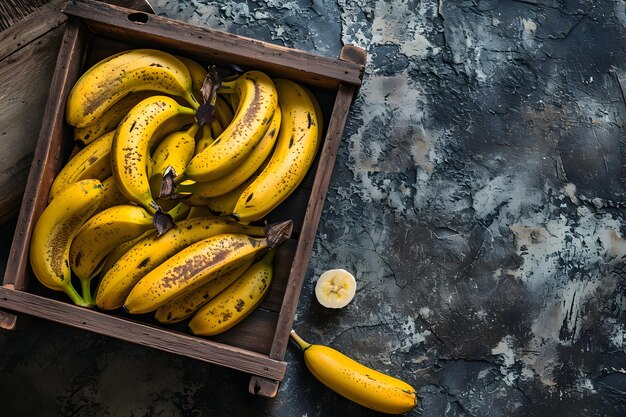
{"x": 257, "y": 345}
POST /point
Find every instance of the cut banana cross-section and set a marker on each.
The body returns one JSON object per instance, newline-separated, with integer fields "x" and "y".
{"x": 335, "y": 288}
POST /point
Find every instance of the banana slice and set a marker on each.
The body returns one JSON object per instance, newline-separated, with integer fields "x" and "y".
{"x": 335, "y": 288}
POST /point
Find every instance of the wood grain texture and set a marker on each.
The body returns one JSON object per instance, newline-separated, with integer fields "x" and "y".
{"x": 311, "y": 219}
{"x": 12, "y": 11}
{"x": 206, "y": 44}
{"x": 263, "y": 386}
{"x": 30, "y": 28}
{"x": 21, "y": 109}
{"x": 48, "y": 153}
{"x": 336, "y": 124}
{"x": 140, "y": 333}
{"x": 32, "y": 42}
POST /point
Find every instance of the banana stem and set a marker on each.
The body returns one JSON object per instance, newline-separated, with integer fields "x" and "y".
{"x": 86, "y": 290}
{"x": 303, "y": 345}
{"x": 227, "y": 87}
{"x": 74, "y": 296}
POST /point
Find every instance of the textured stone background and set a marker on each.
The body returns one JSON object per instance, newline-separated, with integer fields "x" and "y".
{"x": 478, "y": 197}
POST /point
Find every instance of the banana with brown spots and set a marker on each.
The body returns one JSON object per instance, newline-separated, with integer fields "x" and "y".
{"x": 237, "y": 301}
{"x": 200, "y": 263}
{"x": 258, "y": 101}
{"x": 111, "y": 79}
{"x": 144, "y": 125}
{"x": 91, "y": 162}
{"x": 105, "y": 231}
{"x": 296, "y": 146}
{"x": 54, "y": 231}
{"x": 153, "y": 250}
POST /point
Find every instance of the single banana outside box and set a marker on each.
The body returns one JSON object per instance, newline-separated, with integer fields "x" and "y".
{"x": 356, "y": 382}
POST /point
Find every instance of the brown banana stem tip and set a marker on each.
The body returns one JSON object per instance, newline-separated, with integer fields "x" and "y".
{"x": 162, "y": 222}
{"x": 167, "y": 182}
{"x": 277, "y": 233}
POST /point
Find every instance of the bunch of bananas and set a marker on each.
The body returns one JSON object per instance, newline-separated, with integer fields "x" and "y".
{"x": 155, "y": 210}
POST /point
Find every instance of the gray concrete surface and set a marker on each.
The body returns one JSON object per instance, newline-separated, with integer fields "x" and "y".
{"x": 478, "y": 197}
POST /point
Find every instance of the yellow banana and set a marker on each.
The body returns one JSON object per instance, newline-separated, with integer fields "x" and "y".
{"x": 258, "y": 103}
{"x": 106, "y": 231}
{"x": 198, "y": 73}
{"x": 175, "y": 151}
{"x": 150, "y": 252}
{"x": 296, "y": 146}
{"x": 204, "y": 138}
{"x": 200, "y": 263}
{"x": 109, "y": 119}
{"x": 236, "y": 302}
{"x": 112, "y": 196}
{"x": 248, "y": 167}
{"x": 135, "y": 135}
{"x": 356, "y": 382}
{"x": 223, "y": 205}
{"x": 195, "y": 212}
{"x": 92, "y": 162}
{"x": 54, "y": 232}
{"x": 223, "y": 112}
{"x": 100, "y": 235}
{"x": 109, "y": 80}
{"x": 188, "y": 303}
{"x": 119, "y": 251}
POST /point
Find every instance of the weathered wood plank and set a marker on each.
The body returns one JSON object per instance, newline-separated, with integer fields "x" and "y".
{"x": 263, "y": 386}
{"x": 12, "y": 11}
{"x": 33, "y": 26}
{"x": 144, "y": 334}
{"x": 21, "y": 106}
{"x": 336, "y": 124}
{"x": 47, "y": 152}
{"x": 207, "y": 44}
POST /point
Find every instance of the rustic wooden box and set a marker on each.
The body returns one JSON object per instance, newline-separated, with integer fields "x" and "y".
{"x": 257, "y": 345}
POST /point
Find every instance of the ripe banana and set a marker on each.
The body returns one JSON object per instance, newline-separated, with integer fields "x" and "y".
{"x": 135, "y": 135}
{"x": 356, "y": 382}
{"x": 175, "y": 151}
{"x": 109, "y": 80}
{"x": 257, "y": 105}
{"x": 195, "y": 212}
{"x": 150, "y": 252}
{"x": 296, "y": 146}
{"x": 248, "y": 167}
{"x": 112, "y": 196}
{"x": 236, "y": 302}
{"x": 223, "y": 205}
{"x": 205, "y": 138}
{"x": 199, "y": 263}
{"x": 119, "y": 251}
{"x": 109, "y": 119}
{"x": 100, "y": 235}
{"x": 223, "y": 112}
{"x": 54, "y": 232}
{"x": 197, "y": 73}
{"x": 335, "y": 288}
{"x": 188, "y": 303}
{"x": 92, "y": 162}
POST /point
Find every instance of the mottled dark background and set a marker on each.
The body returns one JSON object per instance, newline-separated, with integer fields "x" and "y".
{"x": 478, "y": 197}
